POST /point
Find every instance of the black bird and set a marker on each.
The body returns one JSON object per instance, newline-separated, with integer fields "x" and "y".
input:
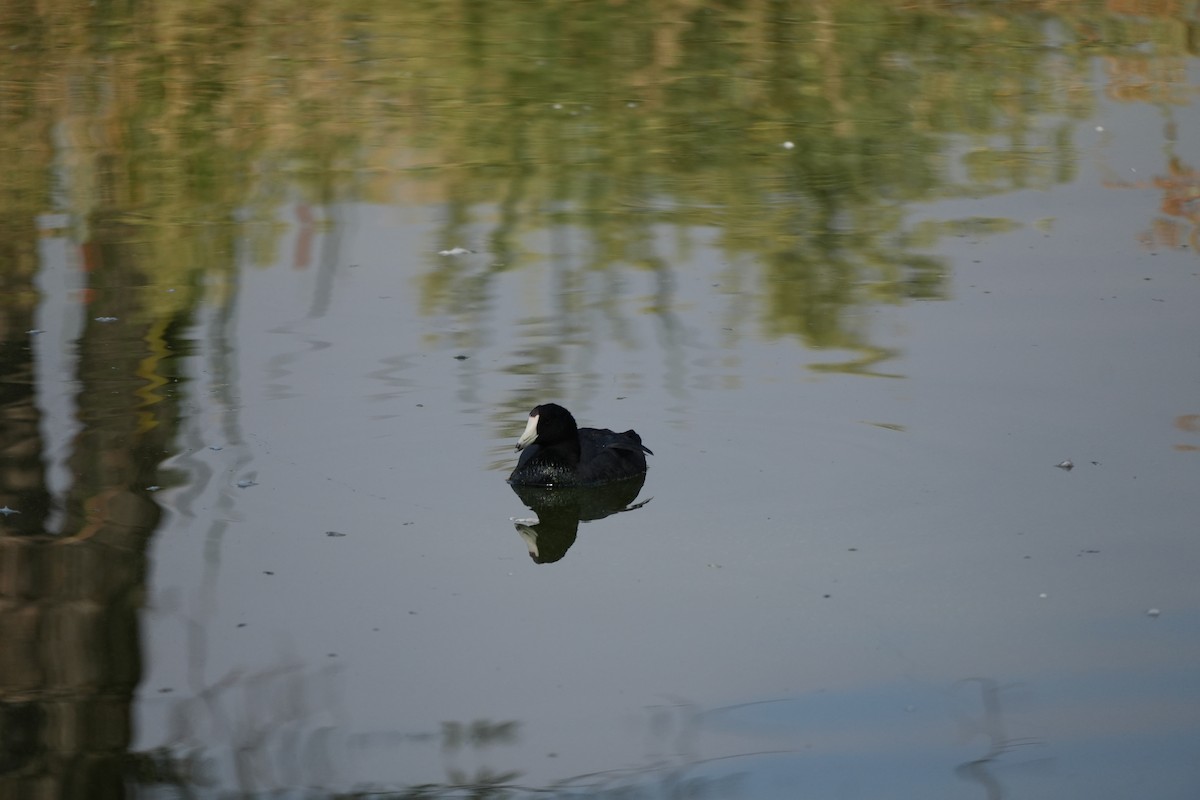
{"x": 557, "y": 452}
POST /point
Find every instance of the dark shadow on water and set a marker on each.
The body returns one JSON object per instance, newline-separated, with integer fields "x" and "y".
{"x": 560, "y": 510}
{"x": 988, "y": 723}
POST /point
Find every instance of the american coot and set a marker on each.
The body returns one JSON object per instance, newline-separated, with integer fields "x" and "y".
{"x": 557, "y": 452}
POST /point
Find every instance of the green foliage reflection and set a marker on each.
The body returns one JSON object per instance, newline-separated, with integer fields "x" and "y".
{"x": 801, "y": 131}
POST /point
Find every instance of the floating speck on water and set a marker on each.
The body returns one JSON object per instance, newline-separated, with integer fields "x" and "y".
{"x": 34, "y": 332}
{"x": 1043, "y": 595}
{"x": 267, "y": 572}
{"x": 1153, "y": 612}
{"x": 1099, "y": 129}
{"x": 241, "y": 624}
{"x": 106, "y": 319}
{"x": 246, "y": 484}
{"x": 788, "y": 145}
{"x": 461, "y": 357}
{"x": 557, "y": 106}
{"x": 215, "y": 447}
{"x": 334, "y": 533}
{"x": 455, "y": 251}
{"x": 154, "y": 488}
{"x": 1067, "y": 465}
{"x": 8, "y": 512}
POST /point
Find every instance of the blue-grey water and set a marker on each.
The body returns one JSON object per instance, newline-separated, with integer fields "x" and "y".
{"x": 859, "y": 566}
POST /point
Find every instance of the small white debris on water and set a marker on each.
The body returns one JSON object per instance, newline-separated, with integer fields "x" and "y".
{"x": 8, "y": 512}
{"x": 1067, "y": 465}
{"x": 1153, "y": 612}
{"x": 455, "y": 251}
{"x": 1099, "y": 129}
{"x": 1043, "y": 595}
{"x": 106, "y": 319}
{"x": 788, "y": 145}
{"x": 246, "y": 484}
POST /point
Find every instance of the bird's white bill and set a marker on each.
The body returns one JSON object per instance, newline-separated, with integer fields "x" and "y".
{"x": 529, "y": 535}
{"x": 530, "y": 434}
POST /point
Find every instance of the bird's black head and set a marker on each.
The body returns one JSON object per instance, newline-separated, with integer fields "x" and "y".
{"x": 548, "y": 424}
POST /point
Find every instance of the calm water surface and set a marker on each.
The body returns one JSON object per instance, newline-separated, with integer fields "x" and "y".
{"x": 275, "y": 318}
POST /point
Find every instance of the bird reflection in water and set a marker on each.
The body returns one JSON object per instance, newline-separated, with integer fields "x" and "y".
{"x": 560, "y": 509}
